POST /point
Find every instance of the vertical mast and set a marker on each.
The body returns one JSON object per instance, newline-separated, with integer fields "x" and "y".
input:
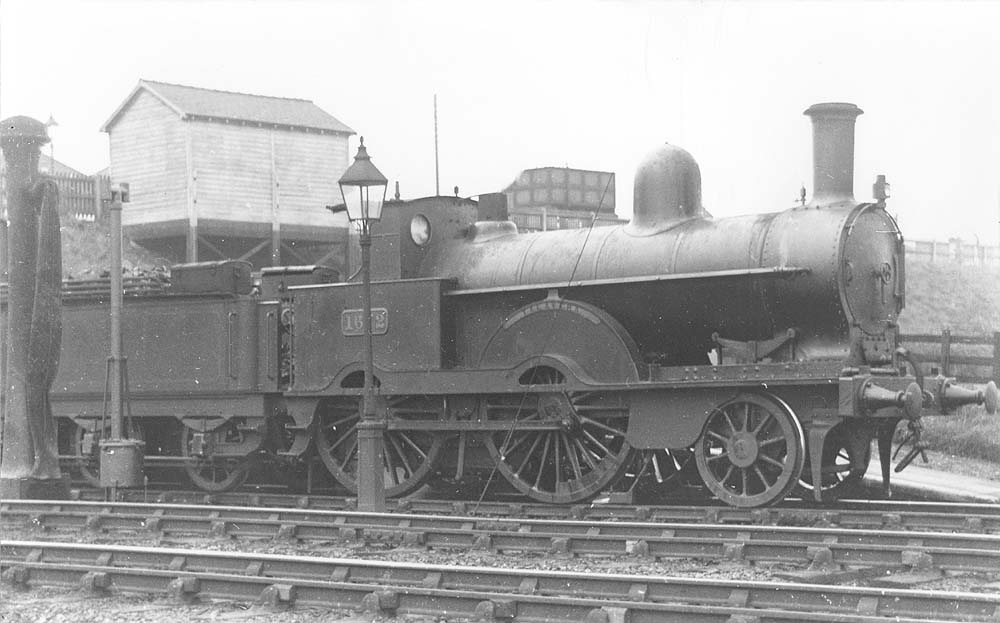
{"x": 437, "y": 178}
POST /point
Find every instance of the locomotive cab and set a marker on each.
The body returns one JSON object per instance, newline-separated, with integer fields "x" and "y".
{"x": 408, "y": 230}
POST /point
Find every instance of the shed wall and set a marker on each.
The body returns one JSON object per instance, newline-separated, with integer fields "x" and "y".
{"x": 147, "y": 151}
{"x": 308, "y": 167}
{"x": 242, "y": 170}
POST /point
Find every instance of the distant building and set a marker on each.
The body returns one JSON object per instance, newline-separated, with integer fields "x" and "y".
{"x": 55, "y": 168}
{"x": 216, "y": 174}
{"x": 561, "y": 198}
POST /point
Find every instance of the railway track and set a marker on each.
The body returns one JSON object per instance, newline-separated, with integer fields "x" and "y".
{"x": 392, "y": 588}
{"x": 862, "y": 514}
{"x": 826, "y": 550}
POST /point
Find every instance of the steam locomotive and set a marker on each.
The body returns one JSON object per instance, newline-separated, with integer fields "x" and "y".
{"x": 761, "y": 348}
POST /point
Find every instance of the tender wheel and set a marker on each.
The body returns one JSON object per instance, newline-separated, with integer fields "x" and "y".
{"x": 409, "y": 456}
{"x": 838, "y": 475}
{"x": 87, "y": 448}
{"x": 209, "y": 473}
{"x": 752, "y": 451}
{"x": 583, "y": 455}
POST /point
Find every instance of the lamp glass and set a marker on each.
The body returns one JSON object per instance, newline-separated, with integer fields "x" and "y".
{"x": 364, "y": 202}
{"x": 363, "y": 188}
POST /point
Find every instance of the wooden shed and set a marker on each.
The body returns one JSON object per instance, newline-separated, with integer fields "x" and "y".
{"x": 216, "y": 175}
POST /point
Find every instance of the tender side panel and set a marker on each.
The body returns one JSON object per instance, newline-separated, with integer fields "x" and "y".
{"x": 173, "y": 345}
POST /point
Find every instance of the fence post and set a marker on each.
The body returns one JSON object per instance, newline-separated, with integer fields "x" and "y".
{"x": 97, "y": 198}
{"x": 996, "y": 355}
{"x": 946, "y": 352}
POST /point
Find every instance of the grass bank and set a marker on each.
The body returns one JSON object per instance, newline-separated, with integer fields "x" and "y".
{"x": 970, "y": 432}
{"x": 965, "y": 299}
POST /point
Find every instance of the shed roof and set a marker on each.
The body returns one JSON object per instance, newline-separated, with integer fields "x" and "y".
{"x": 47, "y": 165}
{"x": 197, "y": 103}
{"x": 55, "y": 167}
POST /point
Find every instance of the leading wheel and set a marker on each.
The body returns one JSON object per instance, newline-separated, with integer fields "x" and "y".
{"x": 212, "y": 473}
{"x": 583, "y": 453}
{"x": 752, "y": 450}
{"x": 409, "y": 456}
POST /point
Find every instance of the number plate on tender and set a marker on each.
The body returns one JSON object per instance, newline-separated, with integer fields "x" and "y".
{"x": 352, "y": 321}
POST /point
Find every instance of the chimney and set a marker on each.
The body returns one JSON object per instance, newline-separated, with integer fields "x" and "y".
{"x": 833, "y": 152}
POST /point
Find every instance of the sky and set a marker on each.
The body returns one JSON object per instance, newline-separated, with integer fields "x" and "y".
{"x": 591, "y": 85}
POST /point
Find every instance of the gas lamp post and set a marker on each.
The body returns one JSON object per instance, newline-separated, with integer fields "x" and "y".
{"x": 363, "y": 188}
{"x": 51, "y": 123}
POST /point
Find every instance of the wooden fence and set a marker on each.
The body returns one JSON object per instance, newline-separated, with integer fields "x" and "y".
{"x": 969, "y": 359}
{"x": 954, "y": 251}
{"x": 83, "y": 198}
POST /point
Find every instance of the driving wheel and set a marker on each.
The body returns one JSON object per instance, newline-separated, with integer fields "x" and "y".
{"x": 409, "y": 457}
{"x": 580, "y": 453}
{"x": 659, "y": 472}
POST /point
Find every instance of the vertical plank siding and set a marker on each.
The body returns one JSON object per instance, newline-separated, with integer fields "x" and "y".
{"x": 236, "y": 179}
{"x": 308, "y": 167}
{"x": 147, "y": 151}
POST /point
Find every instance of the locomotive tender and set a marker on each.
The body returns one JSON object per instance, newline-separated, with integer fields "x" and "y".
{"x": 762, "y": 347}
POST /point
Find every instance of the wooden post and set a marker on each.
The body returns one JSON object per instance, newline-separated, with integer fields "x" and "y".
{"x": 191, "y": 243}
{"x": 996, "y": 355}
{"x": 3, "y": 249}
{"x": 97, "y": 197}
{"x": 946, "y": 352}
{"x": 191, "y": 239}
{"x": 275, "y": 207}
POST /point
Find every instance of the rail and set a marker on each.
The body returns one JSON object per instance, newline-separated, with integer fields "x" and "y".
{"x": 484, "y": 593}
{"x": 868, "y": 514}
{"x": 878, "y": 550}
